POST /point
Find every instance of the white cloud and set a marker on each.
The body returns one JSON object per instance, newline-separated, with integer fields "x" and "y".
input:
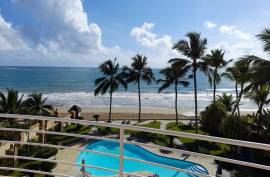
{"x": 10, "y": 38}
{"x": 158, "y": 48}
{"x": 147, "y": 38}
{"x": 209, "y": 25}
{"x": 238, "y": 49}
{"x": 239, "y": 43}
{"x": 233, "y": 31}
{"x": 66, "y": 25}
{"x": 66, "y": 37}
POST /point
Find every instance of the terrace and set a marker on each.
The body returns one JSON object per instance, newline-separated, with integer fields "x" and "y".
{"x": 66, "y": 166}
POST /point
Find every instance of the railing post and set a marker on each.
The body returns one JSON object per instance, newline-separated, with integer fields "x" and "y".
{"x": 121, "y": 158}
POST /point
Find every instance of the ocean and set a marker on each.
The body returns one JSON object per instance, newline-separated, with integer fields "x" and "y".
{"x": 67, "y": 86}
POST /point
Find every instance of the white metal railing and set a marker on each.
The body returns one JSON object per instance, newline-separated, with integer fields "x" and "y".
{"x": 122, "y": 141}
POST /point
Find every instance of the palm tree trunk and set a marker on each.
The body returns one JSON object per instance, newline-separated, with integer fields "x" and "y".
{"x": 238, "y": 101}
{"x": 139, "y": 94}
{"x": 195, "y": 96}
{"x": 259, "y": 116}
{"x": 236, "y": 95}
{"x": 214, "y": 80}
{"x": 110, "y": 113}
{"x": 176, "y": 111}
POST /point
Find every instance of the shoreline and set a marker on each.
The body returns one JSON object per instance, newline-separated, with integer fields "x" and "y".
{"x": 126, "y": 113}
{"x": 131, "y": 113}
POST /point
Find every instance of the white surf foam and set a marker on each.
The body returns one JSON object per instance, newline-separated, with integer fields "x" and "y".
{"x": 128, "y": 99}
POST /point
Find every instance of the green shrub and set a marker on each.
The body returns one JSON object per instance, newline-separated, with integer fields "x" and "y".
{"x": 212, "y": 117}
{"x": 6, "y": 162}
{"x": 36, "y": 165}
{"x": 69, "y": 141}
{"x": 234, "y": 127}
{"x": 107, "y": 130}
{"x": 36, "y": 151}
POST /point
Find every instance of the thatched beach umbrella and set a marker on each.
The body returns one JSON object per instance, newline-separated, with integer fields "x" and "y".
{"x": 75, "y": 109}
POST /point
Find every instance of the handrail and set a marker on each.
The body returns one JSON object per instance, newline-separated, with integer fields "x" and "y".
{"x": 145, "y": 129}
{"x": 121, "y": 140}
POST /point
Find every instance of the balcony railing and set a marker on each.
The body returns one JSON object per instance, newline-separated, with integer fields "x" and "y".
{"x": 121, "y": 142}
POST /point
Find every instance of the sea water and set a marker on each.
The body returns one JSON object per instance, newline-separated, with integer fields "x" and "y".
{"x": 65, "y": 86}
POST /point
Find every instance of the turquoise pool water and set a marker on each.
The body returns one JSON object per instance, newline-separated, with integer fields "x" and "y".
{"x": 137, "y": 152}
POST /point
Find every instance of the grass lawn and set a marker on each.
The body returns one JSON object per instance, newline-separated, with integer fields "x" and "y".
{"x": 161, "y": 140}
{"x": 66, "y": 140}
{"x": 152, "y": 125}
{"x": 198, "y": 145}
{"x": 106, "y": 130}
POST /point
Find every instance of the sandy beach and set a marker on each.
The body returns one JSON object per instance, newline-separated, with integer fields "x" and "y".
{"x": 127, "y": 113}
{"x": 131, "y": 113}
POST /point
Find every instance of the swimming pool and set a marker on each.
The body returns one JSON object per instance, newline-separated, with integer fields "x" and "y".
{"x": 137, "y": 152}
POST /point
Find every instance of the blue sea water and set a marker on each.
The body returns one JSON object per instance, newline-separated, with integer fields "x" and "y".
{"x": 61, "y": 79}
{"x": 131, "y": 166}
{"x": 67, "y": 86}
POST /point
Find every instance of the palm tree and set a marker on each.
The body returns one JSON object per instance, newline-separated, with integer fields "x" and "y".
{"x": 37, "y": 105}
{"x": 227, "y": 100}
{"x": 138, "y": 72}
{"x": 265, "y": 37}
{"x": 260, "y": 96}
{"x": 240, "y": 73}
{"x": 11, "y": 103}
{"x": 193, "y": 48}
{"x": 258, "y": 87}
{"x": 173, "y": 75}
{"x": 261, "y": 65}
{"x": 233, "y": 74}
{"x": 110, "y": 81}
{"x": 215, "y": 61}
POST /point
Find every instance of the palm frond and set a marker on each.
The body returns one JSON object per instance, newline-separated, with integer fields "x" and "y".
{"x": 184, "y": 83}
{"x": 99, "y": 80}
{"x": 164, "y": 86}
{"x": 265, "y": 37}
{"x": 100, "y": 87}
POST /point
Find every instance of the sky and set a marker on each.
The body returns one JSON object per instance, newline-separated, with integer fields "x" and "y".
{"x": 84, "y": 33}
